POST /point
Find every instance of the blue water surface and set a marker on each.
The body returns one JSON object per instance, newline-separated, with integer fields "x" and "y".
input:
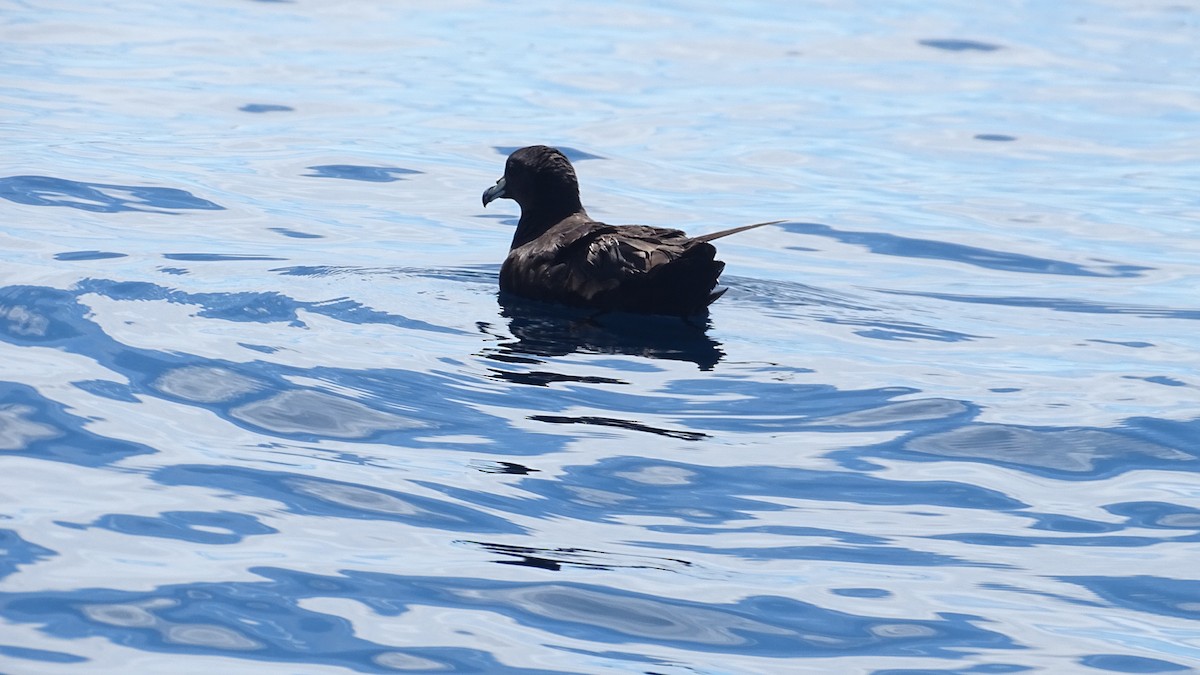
{"x": 263, "y": 411}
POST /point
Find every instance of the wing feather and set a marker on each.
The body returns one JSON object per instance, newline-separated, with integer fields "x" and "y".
{"x": 632, "y": 267}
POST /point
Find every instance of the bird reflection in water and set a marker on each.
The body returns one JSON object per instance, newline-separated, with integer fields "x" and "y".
{"x": 540, "y": 329}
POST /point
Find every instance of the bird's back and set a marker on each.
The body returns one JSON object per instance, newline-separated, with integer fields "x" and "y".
{"x": 631, "y": 268}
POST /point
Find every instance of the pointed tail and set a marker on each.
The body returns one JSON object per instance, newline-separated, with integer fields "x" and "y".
{"x": 734, "y": 230}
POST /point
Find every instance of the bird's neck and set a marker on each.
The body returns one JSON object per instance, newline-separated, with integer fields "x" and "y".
{"x": 537, "y": 219}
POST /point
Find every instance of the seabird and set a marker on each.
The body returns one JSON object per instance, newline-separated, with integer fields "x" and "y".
{"x": 559, "y": 254}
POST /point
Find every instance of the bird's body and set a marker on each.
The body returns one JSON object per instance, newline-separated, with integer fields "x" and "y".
{"x": 559, "y": 254}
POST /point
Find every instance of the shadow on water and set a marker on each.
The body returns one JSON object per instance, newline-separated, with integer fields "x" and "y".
{"x": 99, "y": 197}
{"x": 541, "y": 330}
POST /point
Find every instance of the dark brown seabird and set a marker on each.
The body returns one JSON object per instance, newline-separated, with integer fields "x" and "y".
{"x": 559, "y": 254}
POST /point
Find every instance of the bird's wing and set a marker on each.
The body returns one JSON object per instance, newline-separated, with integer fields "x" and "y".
{"x": 626, "y": 250}
{"x": 607, "y": 257}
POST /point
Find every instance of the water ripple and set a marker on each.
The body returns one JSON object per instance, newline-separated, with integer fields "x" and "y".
{"x": 99, "y": 197}
{"x": 944, "y": 420}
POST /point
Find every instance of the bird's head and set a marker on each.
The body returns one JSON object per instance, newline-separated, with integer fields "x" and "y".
{"x": 534, "y": 176}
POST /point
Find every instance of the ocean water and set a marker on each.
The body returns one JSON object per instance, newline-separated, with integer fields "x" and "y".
{"x": 262, "y": 411}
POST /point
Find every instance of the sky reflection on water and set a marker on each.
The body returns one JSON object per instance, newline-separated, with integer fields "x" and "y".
{"x": 263, "y": 409}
